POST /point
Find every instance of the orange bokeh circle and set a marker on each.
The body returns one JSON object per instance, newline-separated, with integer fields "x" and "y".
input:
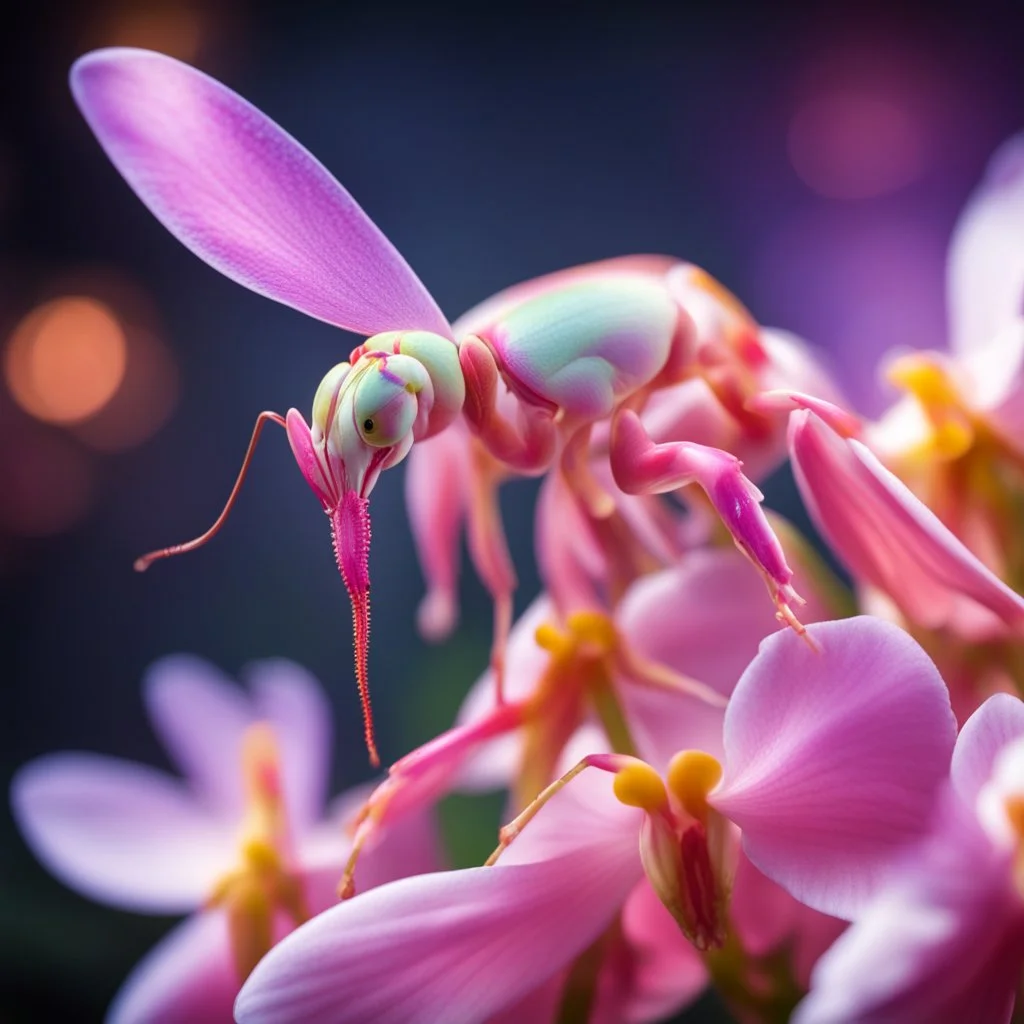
{"x": 66, "y": 359}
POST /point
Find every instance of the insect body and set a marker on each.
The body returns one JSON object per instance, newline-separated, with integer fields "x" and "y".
{"x": 540, "y": 364}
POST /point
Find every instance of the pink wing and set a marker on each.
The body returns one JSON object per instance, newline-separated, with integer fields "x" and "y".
{"x": 244, "y": 196}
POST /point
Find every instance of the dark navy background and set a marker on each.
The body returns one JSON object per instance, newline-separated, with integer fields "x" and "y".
{"x": 491, "y": 144}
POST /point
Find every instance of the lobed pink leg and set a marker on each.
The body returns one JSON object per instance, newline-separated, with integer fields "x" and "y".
{"x": 529, "y": 449}
{"x": 642, "y": 467}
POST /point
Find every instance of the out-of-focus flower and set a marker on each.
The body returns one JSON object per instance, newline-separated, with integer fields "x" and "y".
{"x": 945, "y": 940}
{"x": 831, "y": 761}
{"x": 243, "y": 839}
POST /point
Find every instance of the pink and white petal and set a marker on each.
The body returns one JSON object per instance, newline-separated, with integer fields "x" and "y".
{"x": 294, "y": 704}
{"x": 244, "y": 196}
{"x": 889, "y": 539}
{"x": 993, "y": 376}
{"x": 580, "y": 819}
{"x": 666, "y": 972}
{"x": 568, "y": 556}
{"x": 458, "y": 946}
{"x": 663, "y": 723}
{"x": 769, "y": 919}
{"x": 704, "y": 618}
{"x": 541, "y": 1006}
{"x": 494, "y": 766}
{"x": 945, "y": 941}
{"x": 995, "y": 724}
{"x": 188, "y": 976}
{"x": 120, "y": 833}
{"x": 985, "y": 272}
{"x": 201, "y": 717}
{"x": 834, "y": 757}
{"x": 410, "y": 845}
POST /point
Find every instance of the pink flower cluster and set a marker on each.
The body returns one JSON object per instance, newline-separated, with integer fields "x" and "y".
{"x": 823, "y": 821}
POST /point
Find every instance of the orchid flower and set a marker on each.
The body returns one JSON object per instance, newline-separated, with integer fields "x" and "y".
{"x": 241, "y": 842}
{"x": 945, "y": 939}
{"x": 831, "y": 761}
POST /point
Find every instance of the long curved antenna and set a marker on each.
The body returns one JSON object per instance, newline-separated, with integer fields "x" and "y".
{"x": 143, "y": 563}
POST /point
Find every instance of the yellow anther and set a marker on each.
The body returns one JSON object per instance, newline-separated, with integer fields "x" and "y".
{"x": 259, "y": 855}
{"x": 930, "y": 383}
{"x": 593, "y": 628}
{"x": 925, "y": 379}
{"x": 551, "y": 639}
{"x": 637, "y": 784}
{"x": 692, "y": 775}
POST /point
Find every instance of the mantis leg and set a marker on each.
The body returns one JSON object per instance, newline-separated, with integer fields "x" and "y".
{"x": 488, "y": 549}
{"x": 528, "y": 449}
{"x": 642, "y": 467}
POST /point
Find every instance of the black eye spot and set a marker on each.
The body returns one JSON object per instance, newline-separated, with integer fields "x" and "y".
{"x": 368, "y": 426}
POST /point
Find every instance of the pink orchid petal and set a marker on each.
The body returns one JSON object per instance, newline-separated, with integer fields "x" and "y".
{"x": 540, "y": 1006}
{"x": 703, "y": 618}
{"x": 986, "y": 256}
{"x": 998, "y": 721}
{"x": 189, "y": 976}
{"x": 244, "y": 196}
{"x": 943, "y": 943}
{"x": 293, "y": 703}
{"x": 201, "y": 716}
{"x": 457, "y": 946}
{"x": 461, "y": 945}
{"x": 834, "y": 757}
{"x": 890, "y": 539}
{"x": 568, "y": 556}
{"x": 768, "y": 919}
{"x": 993, "y": 380}
{"x": 666, "y": 973}
{"x": 525, "y": 661}
{"x": 121, "y": 833}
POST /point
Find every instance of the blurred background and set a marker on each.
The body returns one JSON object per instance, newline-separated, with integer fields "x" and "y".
{"x": 813, "y": 163}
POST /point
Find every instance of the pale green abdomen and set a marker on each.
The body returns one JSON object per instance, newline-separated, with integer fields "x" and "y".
{"x": 587, "y": 346}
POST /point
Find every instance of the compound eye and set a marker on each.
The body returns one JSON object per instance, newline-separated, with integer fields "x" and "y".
{"x": 384, "y": 411}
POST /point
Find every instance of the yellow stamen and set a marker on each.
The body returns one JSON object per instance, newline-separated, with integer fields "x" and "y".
{"x": 692, "y": 775}
{"x": 930, "y": 383}
{"x": 261, "y": 882}
{"x": 593, "y": 628}
{"x": 637, "y": 784}
{"x": 553, "y": 640}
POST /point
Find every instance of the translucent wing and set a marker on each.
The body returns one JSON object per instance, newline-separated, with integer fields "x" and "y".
{"x": 244, "y": 196}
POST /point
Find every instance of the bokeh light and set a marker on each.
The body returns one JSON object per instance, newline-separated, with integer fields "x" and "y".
{"x": 174, "y": 28}
{"x": 66, "y": 359}
{"x": 852, "y": 144}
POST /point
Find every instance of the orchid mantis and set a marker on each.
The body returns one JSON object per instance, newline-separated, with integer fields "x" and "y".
{"x": 561, "y": 354}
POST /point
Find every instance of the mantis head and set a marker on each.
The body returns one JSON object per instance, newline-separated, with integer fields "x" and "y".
{"x": 366, "y": 415}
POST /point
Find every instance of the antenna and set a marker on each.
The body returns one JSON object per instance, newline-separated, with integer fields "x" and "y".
{"x": 143, "y": 563}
